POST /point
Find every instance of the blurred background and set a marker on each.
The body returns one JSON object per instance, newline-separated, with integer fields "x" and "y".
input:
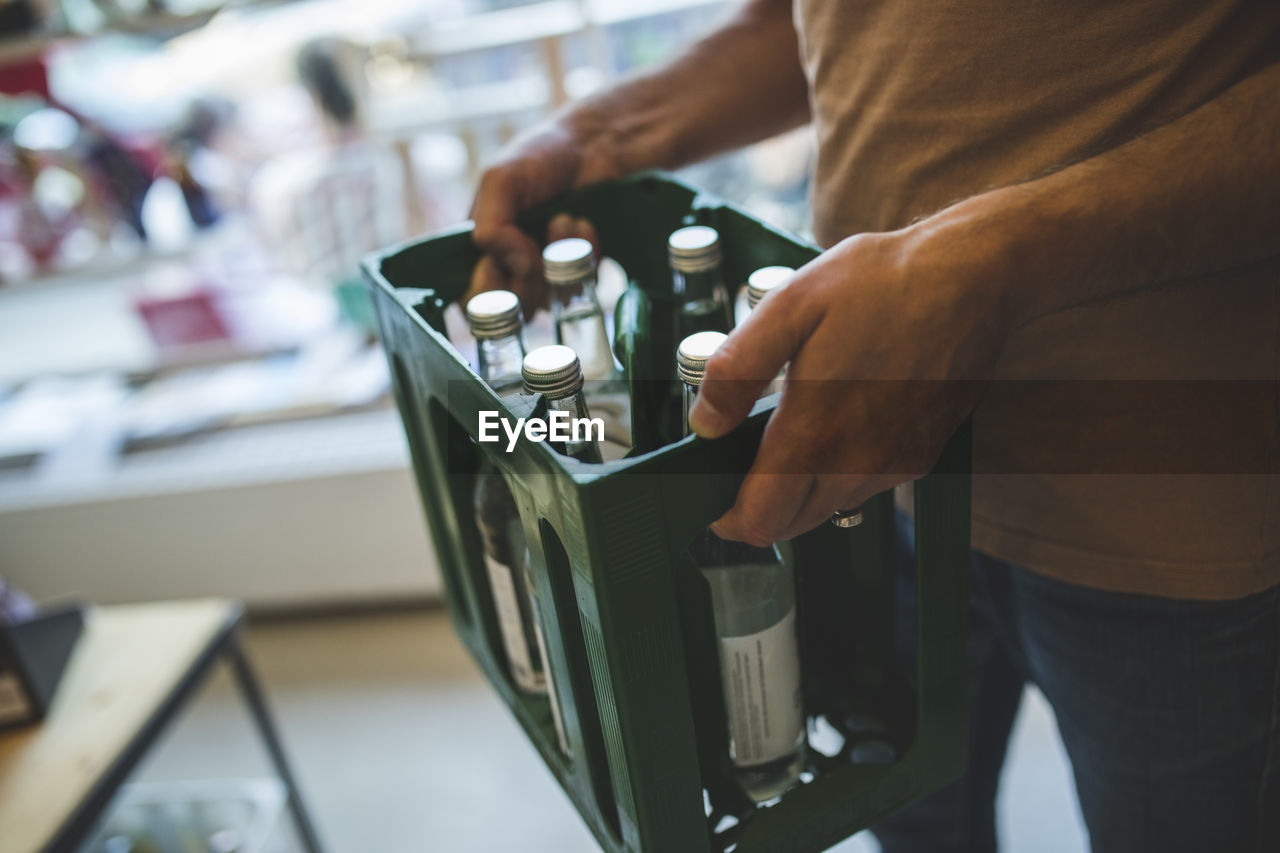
{"x": 192, "y": 401}
{"x": 185, "y": 191}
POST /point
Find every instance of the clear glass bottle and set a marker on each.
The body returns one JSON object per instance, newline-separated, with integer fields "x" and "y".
{"x": 759, "y": 285}
{"x": 555, "y": 373}
{"x": 753, "y": 597}
{"x": 570, "y": 268}
{"x": 765, "y": 280}
{"x": 496, "y": 324}
{"x": 694, "y": 254}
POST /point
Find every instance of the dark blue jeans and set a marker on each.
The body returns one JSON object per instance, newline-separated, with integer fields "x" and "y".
{"x": 1169, "y": 711}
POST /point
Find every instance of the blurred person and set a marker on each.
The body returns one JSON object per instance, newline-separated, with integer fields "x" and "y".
{"x": 39, "y": 232}
{"x": 189, "y": 146}
{"x": 323, "y": 209}
{"x": 120, "y": 175}
{"x": 1062, "y": 218}
{"x": 322, "y": 70}
{"x": 71, "y": 179}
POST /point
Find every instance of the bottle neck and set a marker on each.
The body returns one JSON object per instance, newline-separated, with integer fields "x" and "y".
{"x": 704, "y": 302}
{"x": 575, "y": 298}
{"x": 499, "y": 361}
{"x": 710, "y": 551}
{"x": 586, "y": 448}
{"x": 690, "y": 286}
{"x": 579, "y": 323}
{"x": 690, "y": 395}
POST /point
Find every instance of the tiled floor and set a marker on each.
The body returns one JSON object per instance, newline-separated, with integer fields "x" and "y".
{"x": 402, "y": 748}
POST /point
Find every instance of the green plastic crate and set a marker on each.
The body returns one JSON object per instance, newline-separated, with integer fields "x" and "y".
{"x": 629, "y": 630}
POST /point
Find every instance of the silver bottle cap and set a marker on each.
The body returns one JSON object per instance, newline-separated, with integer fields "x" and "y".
{"x": 765, "y": 279}
{"x": 553, "y": 371}
{"x": 494, "y": 314}
{"x": 568, "y": 261}
{"x": 695, "y": 248}
{"x": 693, "y": 354}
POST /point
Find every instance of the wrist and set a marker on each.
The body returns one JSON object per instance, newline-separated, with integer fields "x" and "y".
{"x": 589, "y": 129}
{"x": 633, "y": 127}
{"x": 1005, "y": 247}
{"x": 966, "y": 262}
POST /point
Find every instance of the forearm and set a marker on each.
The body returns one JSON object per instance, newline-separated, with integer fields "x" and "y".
{"x": 1195, "y": 196}
{"x": 740, "y": 84}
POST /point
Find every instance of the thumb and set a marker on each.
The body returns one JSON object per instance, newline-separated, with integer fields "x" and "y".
{"x": 749, "y": 359}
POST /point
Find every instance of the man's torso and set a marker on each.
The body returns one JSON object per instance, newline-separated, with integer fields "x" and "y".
{"x": 1130, "y": 444}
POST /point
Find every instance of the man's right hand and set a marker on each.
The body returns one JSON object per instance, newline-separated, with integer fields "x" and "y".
{"x": 555, "y": 157}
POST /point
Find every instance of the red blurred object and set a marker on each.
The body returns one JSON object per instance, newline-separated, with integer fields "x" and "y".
{"x": 26, "y": 76}
{"x": 183, "y": 319}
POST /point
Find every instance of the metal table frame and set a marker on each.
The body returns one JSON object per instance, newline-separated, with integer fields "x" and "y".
{"x": 225, "y": 645}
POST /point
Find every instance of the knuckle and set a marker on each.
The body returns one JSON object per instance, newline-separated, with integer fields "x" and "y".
{"x": 484, "y": 233}
{"x": 756, "y": 527}
{"x": 494, "y": 182}
{"x": 490, "y": 179}
{"x": 722, "y": 366}
{"x": 733, "y": 369}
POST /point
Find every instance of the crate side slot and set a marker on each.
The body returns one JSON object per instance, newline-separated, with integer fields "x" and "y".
{"x": 643, "y": 657}
{"x": 588, "y": 718}
{"x": 432, "y": 491}
{"x": 855, "y": 676}
{"x": 724, "y": 794}
{"x": 457, "y": 476}
{"x": 864, "y": 677}
{"x": 691, "y": 492}
{"x": 942, "y": 507}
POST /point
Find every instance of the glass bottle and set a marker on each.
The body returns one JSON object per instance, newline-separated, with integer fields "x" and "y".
{"x": 555, "y": 373}
{"x": 694, "y": 254}
{"x": 570, "y": 268}
{"x": 759, "y": 285}
{"x": 765, "y": 280}
{"x": 496, "y": 324}
{"x": 753, "y": 597}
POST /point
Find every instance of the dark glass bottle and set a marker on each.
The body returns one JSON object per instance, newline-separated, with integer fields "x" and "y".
{"x": 704, "y": 306}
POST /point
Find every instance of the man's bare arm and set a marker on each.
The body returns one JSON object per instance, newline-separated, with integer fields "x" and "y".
{"x": 740, "y": 84}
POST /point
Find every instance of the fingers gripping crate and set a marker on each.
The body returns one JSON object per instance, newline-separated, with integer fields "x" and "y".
{"x": 631, "y": 644}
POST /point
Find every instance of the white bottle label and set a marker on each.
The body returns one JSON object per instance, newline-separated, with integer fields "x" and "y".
{"x": 509, "y": 623}
{"x": 762, "y": 692}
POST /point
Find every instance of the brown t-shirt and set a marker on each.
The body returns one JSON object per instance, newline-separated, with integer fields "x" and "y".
{"x": 1131, "y": 444}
